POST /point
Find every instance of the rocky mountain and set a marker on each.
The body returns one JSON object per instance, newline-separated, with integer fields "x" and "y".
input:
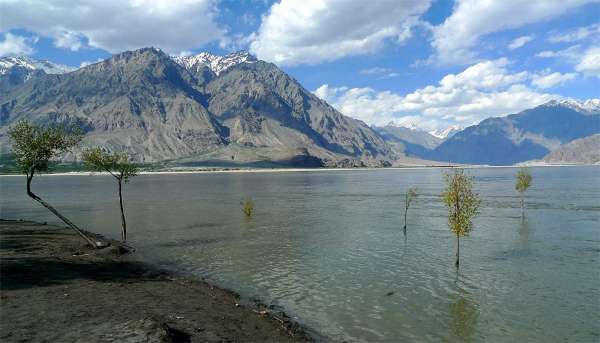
{"x": 14, "y": 71}
{"x": 194, "y": 110}
{"x": 528, "y": 135}
{"x": 409, "y": 141}
{"x": 580, "y": 151}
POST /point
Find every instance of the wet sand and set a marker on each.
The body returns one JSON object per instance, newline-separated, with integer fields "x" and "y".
{"x": 55, "y": 289}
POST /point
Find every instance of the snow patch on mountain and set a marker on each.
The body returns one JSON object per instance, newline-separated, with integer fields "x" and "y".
{"x": 446, "y": 132}
{"x": 589, "y": 106}
{"x": 217, "y": 64}
{"x": 7, "y": 63}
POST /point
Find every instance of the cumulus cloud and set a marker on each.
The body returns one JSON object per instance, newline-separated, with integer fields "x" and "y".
{"x": 16, "y": 45}
{"x": 549, "y": 80}
{"x": 519, "y": 42}
{"x": 577, "y": 34}
{"x": 116, "y": 25}
{"x": 482, "y": 90}
{"x": 589, "y": 64}
{"x": 454, "y": 39}
{"x": 313, "y": 31}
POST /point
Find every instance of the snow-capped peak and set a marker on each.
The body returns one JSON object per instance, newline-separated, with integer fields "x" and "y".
{"x": 446, "y": 132}
{"x": 32, "y": 64}
{"x": 587, "y": 106}
{"x": 217, "y": 64}
{"x": 410, "y": 126}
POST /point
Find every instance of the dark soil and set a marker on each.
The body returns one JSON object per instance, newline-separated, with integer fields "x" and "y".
{"x": 55, "y": 289}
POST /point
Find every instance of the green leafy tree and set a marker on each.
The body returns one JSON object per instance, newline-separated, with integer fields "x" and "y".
{"x": 410, "y": 195}
{"x": 248, "y": 207}
{"x": 35, "y": 147}
{"x": 118, "y": 165}
{"x": 523, "y": 182}
{"x": 462, "y": 203}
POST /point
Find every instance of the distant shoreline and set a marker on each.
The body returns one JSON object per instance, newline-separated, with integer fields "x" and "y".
{"x": 216, "y": 170}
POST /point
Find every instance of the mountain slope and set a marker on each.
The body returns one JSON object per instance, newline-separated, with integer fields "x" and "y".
{"x": 231, "y": 109}
{"x": 584, "y": 150}
{"x": 530, "y": 134}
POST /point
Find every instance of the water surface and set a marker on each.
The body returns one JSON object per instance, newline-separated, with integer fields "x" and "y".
{"x": 328, "y": 247}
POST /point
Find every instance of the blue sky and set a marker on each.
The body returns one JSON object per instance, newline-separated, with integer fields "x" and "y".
{"x": 415, "y": 62}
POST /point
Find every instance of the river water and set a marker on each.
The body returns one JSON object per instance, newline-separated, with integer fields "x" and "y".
{"x": 328, "y": 247}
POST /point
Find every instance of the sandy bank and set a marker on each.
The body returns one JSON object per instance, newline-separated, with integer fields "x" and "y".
{"x": 53, "y": 289}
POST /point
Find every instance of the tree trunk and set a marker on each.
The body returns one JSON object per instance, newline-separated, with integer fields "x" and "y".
{"x": 522, "y": 206}
{"x": 124, "y": 224}
{"x": 457, "y": 251}
{"x": 56, "y": 213}
{"x": 405, "y": 214}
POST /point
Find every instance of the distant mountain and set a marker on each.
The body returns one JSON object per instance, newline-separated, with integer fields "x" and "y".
{"x": 584, "y": 150}
{"x": 14, "y": 71}
{"x": 201, "y": 109}
{"x": 409, "y": 141}
{"x": 446, "y": 132}
{"x": 528, "y": 135}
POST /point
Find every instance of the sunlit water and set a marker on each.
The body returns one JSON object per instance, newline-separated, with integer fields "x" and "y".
{"x": 328, "y": 247}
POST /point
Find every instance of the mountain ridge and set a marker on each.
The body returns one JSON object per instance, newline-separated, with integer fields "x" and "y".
{"x": 159, "y": 110}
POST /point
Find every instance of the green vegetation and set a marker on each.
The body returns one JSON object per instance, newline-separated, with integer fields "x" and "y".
{"x": 248, "y": 207}
{"x": 524, "y": 179}
{"x": 117, "y": 165}
{"x": 410, "y": 195}
{"x": 34, "y": 148}
{"x": 462, "y": 203}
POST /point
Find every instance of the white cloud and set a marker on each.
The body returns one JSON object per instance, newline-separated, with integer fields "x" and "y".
{"x": 571, "y": 53}
{"x": 116, "y": 25}
{"x": 68, "y": 40}
{"x": 472, "y": 19}
{"x": 549, "y": 80}
{"x": 381, "y": 73}
{"x": 16, "y": 45}
{"x": 313, "y": 31}
{"x": 577, "y": 34}
{"x": 589, "y": 64}
{"x": 482, "y": 90}
{"x": 519, "y": 42}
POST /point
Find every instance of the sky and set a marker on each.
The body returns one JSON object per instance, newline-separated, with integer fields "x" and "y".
{"x": 425, "y": 63}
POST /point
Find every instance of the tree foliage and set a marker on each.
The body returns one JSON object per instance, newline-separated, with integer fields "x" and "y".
{"x": 116, "y": 164}
{"x": 462, "y": 202}
{"x": 248, "y": 207}
{"x": 524, "y": 179}
{"x": 35, "y": 146}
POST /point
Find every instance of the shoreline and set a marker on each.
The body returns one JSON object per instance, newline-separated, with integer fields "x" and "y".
{"x": 54, "y": 288}
{"x": 203, "y": 170}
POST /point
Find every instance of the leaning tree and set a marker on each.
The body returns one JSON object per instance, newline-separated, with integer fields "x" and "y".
{"x": 462, "y": 203}
{"x": 35, "y": 147}
{"x": 118, "y": 165}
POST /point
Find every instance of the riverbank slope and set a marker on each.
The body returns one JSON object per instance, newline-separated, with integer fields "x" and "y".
{"x": 54, "y": 289}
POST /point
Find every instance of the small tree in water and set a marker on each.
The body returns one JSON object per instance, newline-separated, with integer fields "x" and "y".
{"x": 117, "y": 165}
{"x": 248, "y": 207}
{"x": 410, "y": 195}
{"x": 524, "y": 179}
{"x": 34, "y": 148}
{"x": 462, "y": 203}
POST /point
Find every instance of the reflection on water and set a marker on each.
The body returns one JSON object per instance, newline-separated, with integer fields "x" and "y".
{"x": 462, "y": 317}
{"x": 329, "y": 247}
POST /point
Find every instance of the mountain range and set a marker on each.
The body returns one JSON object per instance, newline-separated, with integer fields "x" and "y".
{"x": 237, "y": 110}
{"x": 200, "y": 109}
